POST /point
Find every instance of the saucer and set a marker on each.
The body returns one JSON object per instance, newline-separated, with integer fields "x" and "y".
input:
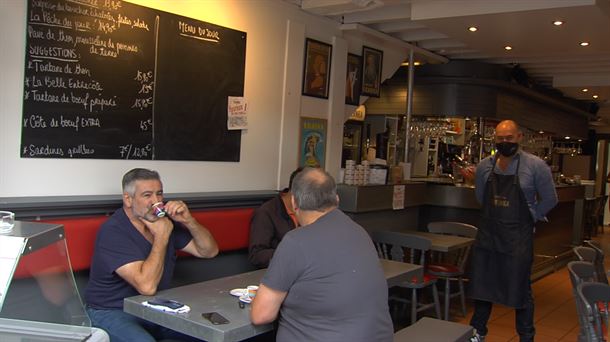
{"x": 246, "y": 299}
{"x": 238, "y": 292}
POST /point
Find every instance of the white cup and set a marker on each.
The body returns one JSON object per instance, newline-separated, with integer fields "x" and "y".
{"x": 251, "y": 290}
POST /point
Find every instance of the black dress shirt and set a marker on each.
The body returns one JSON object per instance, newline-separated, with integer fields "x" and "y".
{"x": 269, "y": 224}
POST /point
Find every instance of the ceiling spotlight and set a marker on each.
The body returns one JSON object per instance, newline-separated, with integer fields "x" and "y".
{"x": 579, "y": 140}
{"x": 595, "y": 96}
{"x": 566, "y": 138}
{"x": 584, "y": 90}
{"x": 472, "y": 29}
{"x": 508, "y": 48}
{"x": 540, "y": 132}
{"x": 557, "y": 22}
{"x": 584, "y": 43}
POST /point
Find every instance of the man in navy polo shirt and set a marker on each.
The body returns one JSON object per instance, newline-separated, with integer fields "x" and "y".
{"x": 135, "y": 254}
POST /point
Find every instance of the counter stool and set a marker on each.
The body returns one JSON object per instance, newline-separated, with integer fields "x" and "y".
{"x": 450, "y": 266}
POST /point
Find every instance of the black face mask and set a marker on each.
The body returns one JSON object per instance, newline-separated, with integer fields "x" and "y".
{"x": 506, "y": 148}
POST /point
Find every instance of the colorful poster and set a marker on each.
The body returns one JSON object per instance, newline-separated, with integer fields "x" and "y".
{"x": 312, "y": 147}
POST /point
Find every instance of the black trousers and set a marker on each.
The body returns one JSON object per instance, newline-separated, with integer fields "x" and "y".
{"x": 524, "y": 317}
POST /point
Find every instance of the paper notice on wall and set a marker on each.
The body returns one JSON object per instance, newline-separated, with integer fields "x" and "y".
{"x": 237, "y": 109}
{"x": 398, "y": 198}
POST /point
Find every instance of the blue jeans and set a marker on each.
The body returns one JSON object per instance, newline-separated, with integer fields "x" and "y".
{"x": 123, "y": 327}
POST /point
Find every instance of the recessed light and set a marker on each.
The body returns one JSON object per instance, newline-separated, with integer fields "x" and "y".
{"x": 472, "y": 29}
{"x": 557, "y": 22}
{"x": 584, "y": 43}
{"x": 540, "y": 132}
{"x": 584, "y": 90}
{"x": 508, "y": 48}
{"x": 595, "y": 96}
{"x": 579, "y": 140}
{"x": 567, "y": 138}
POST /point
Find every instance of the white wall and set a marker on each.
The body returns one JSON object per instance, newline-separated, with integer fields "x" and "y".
{"x": 274, "y": 59}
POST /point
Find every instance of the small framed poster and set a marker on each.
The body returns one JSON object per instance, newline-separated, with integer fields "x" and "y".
{"x": 353, "y": 81}
{"x": 312, "y": 143}
{"x": 316, "y": 71}
{"x": 372, "y": 64}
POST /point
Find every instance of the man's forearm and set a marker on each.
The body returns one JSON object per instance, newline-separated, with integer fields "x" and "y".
{"x": 151, "y": 269}
{"x": 204, "y": 241}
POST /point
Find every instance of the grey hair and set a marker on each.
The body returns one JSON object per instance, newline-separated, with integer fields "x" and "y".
{"x": 133, "y": 175}
{"x": 314, "y": 189}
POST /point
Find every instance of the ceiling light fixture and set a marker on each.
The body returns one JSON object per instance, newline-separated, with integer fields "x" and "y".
{"x": 540, "y": 132}
{"x": 416, "y": 63}
{"x": 567, "y": 138}
{"x": 584, "y": 43}
{"x": 508, "y": 48}
{"x": 472, "y": 29}
{"x": 595, "y": 96}
{"x": 584, "y": 90}
{"x": 557, "y": 22}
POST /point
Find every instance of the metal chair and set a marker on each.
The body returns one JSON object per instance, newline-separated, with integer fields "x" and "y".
{"x": 585, "y": 253}
{"x": 595, "y": 298}
{"x": 450, "y": 266}
{"x": 408, "y": 248}
{"x": 581, "y": 272}
{"x": 600, "y": 268}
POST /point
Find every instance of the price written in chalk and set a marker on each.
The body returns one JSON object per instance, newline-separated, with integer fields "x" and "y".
{"x": 130, "y": 151}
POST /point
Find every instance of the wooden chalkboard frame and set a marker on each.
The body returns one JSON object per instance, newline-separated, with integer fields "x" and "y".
{"x": 123, "y": 81}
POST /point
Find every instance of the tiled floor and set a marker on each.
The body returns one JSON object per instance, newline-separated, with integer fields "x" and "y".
{"x": 555, "y": 315}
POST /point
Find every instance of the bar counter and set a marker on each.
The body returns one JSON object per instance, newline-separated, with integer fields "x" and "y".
{"x": 437, "y": 200}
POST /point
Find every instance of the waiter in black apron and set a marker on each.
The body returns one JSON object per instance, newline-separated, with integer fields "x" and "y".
{"x": 515, "y": 189}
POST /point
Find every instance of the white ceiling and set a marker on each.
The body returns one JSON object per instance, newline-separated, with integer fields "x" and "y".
{"x": 551, "y": 55}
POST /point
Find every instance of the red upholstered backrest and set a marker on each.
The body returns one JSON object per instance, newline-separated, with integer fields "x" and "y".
{"x": 230, "y": 228}
{"x": 80, "y": 238}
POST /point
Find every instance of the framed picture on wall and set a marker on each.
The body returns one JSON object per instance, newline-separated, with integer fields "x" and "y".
{"x": 372, "y": 64}
{"x": 312, "y": 143}
{"x": 316, "y": 71}
{"x": 353, "y": 80}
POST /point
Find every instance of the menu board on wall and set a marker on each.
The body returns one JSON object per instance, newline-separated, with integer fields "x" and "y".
{"x": 107, "y": 79}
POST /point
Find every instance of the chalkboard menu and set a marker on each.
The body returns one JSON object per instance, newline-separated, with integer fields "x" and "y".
{"x": 107, "y": 79}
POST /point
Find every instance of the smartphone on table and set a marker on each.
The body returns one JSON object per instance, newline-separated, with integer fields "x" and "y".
{"x": 215, "y": 318}
{"x": 168, "y": 303}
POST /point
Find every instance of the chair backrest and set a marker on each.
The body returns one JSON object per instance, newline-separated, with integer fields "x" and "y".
{"x": 600, "y": 268}
{"x": 401, "y": 246}
{"x": 580, "y": 272}
{"x": 453, "y": 228}
{"x": 457, "y": 257}
{"x": 585, "y": 253}
{"x": 595, "y": 297}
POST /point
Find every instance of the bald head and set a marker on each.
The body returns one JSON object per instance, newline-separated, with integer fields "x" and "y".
{"x": 509, "y": 131}
{"x": 314, "y": 189}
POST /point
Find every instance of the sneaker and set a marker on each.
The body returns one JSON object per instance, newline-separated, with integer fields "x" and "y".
{"x": 477, "y": 338}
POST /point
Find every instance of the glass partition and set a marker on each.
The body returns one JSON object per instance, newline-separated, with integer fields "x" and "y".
{"x": 41, "y": 299}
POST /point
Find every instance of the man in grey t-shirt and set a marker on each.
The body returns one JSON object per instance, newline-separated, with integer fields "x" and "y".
{"x": 325, "y": 276}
